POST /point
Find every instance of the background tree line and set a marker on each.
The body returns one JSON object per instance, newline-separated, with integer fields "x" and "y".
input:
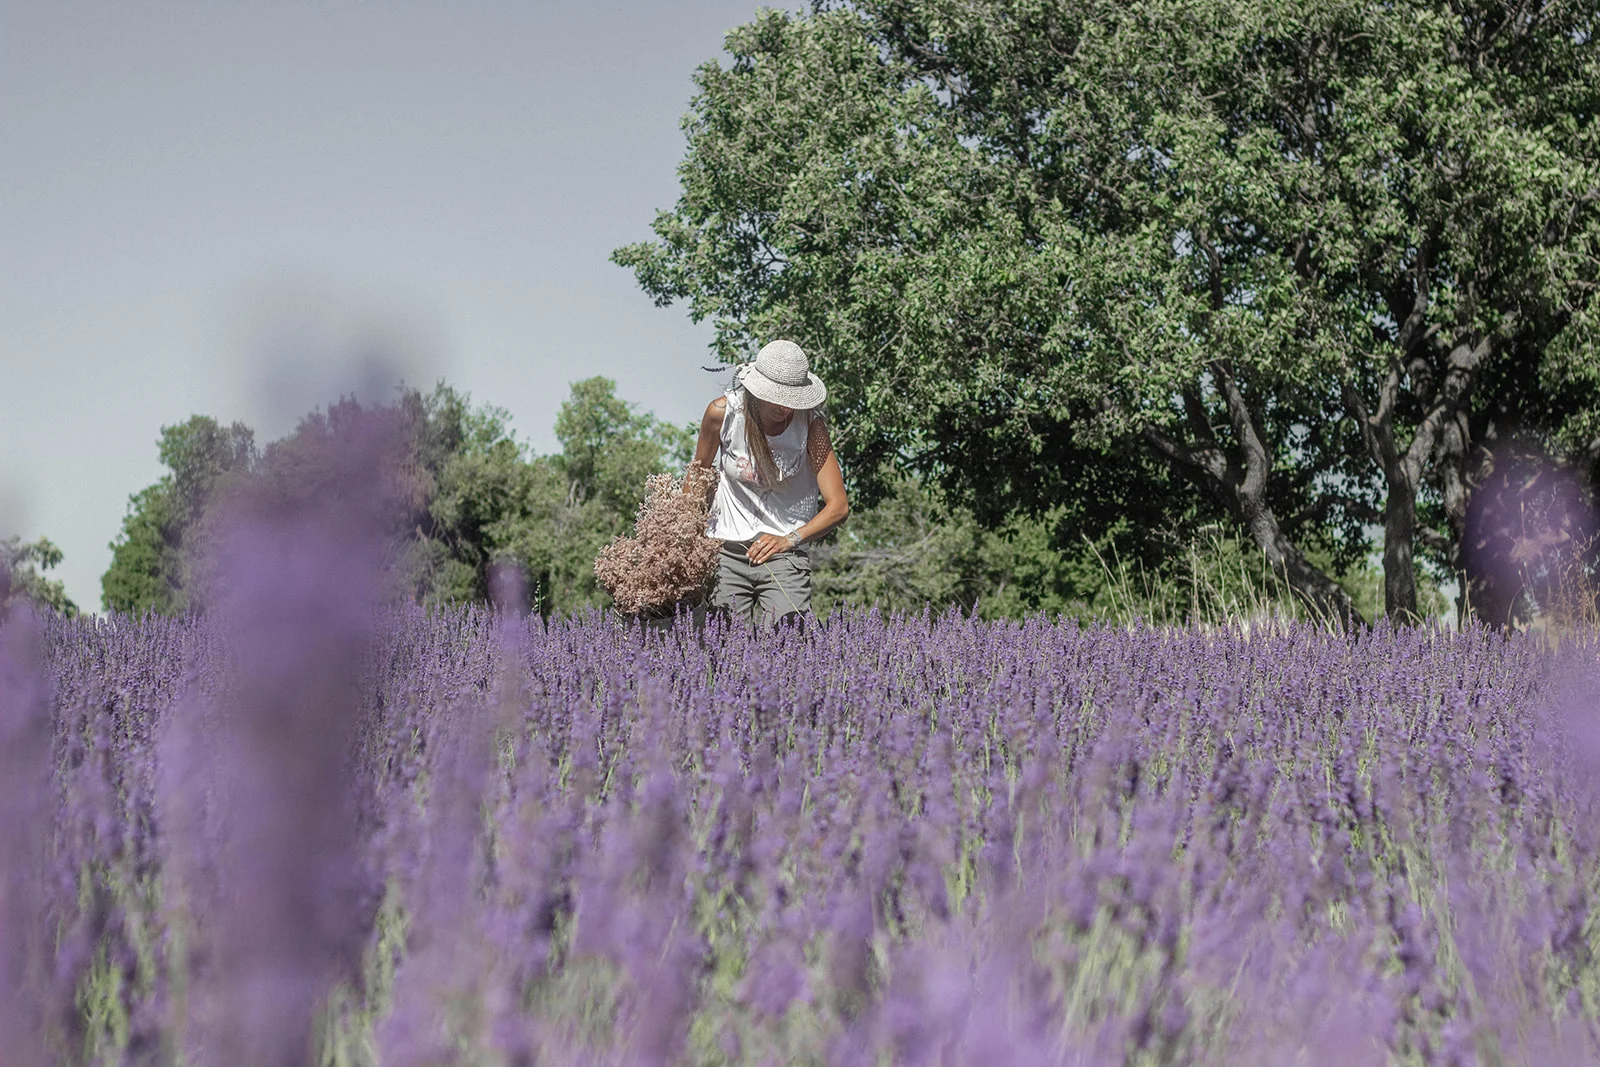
{"x": 461, "y": 495}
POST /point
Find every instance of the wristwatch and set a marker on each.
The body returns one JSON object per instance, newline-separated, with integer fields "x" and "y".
{"x": 794, "y": 538}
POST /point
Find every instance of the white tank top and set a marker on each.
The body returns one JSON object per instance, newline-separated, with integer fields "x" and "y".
{"x": 743, "y": 508}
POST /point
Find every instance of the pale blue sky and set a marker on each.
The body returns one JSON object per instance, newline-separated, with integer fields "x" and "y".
{"x": 206, "y": 207}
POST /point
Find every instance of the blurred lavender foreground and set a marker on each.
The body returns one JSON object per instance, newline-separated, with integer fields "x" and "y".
{"x": 309, "y": 829}
{"x": 257, "y": 790}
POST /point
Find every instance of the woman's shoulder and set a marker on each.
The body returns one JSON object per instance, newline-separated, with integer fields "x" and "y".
{"x": 716, "y": 412}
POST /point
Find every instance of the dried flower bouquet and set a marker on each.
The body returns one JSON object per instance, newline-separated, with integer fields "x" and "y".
{"x": 669, "y": 560}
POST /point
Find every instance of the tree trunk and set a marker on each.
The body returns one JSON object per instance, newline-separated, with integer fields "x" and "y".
{"x": 1400, "y": 502}
{"x": 1327, "y": 597}
{"x": 1399, "y": 539}
{"x": 1454, "y": 490}
{"x": 1402, "y": 470}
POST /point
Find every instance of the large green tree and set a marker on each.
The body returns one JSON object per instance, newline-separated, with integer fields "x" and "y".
{"x": 1314, "y": 257}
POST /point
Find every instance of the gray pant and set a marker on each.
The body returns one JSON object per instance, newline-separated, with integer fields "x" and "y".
{"x": 762, "y": 593}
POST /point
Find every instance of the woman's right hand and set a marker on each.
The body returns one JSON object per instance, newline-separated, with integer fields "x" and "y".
{"x": 765, "y": 546}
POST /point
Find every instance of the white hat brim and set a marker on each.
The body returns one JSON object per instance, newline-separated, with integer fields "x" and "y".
{"x": 799, "y": 397}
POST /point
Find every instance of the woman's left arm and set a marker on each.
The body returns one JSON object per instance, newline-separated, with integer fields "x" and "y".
{"x": 835, "y": 505}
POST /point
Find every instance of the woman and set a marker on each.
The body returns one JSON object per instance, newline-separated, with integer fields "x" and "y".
{"x": 776, "y": 460}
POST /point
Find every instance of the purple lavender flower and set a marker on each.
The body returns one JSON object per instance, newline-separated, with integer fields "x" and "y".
{"x": 936, "y": 839}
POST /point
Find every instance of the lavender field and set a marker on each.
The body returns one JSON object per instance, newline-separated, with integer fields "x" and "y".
{"x": 305, "y": 832}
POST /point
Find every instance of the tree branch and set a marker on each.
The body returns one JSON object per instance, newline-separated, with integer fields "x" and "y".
{"x": 1207, "y": 459}
{"x": 1436, "y": 540}
{"x": 1378, "y": 435}
{"x": 1412, "y": 329}
{"x": 1256, "y": 461}
{"x": 1244, "y": 494}
{"x": 1463, "y": 362}
{"x": 1214, "y": 268}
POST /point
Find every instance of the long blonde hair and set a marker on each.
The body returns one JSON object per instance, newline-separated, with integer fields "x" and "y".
{"x": 755, "y": 438}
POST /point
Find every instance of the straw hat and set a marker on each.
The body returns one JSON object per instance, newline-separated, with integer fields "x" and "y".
{"x": 781, "y": 374}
